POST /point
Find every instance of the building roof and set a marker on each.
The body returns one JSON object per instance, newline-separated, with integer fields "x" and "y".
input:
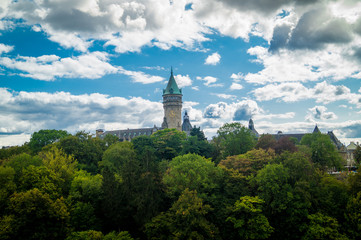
{"x": 186, "y": 126}
{"x": 172, "y": 87}
{"x": 352, "y": 146}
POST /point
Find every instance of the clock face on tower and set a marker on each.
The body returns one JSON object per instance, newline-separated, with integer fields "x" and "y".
{"x": 171, "y": 114}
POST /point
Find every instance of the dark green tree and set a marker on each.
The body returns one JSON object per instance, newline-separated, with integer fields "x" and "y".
{"x": 235, "y": 139}
{"x": 88, "y": 151}
{"x": 45, "y": 137}
{"x": 323, "y": 227}
{"x": 324, "y": 153}
{"x": 34, "y": 215}
{"x": 197, "y": 132}
{"x": 357, "y": 154}
{"x": 168, "y": 143}
{"x": 186, "y": 219}
{"x": 248, "y": 220}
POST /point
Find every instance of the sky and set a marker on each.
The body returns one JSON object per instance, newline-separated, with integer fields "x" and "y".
{"x": 102, "y": 64}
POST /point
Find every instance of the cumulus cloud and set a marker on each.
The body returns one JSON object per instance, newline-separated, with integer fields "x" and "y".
{"x": 322, "y": 92}
{"x": 26, "y": 112}
{"x": 319, "y": 113}
{"x": 91, "y": 65}
{"x": 210, "y": 81}
{"x": 183, "y": 81}
{"x": 127, "y": 26}
{"x": 226, "y": 96}
{"x": 236, "y": 86}
{"x": 140, "y": 77}
{"x": 49, "y": 67}
{"x": 5, "y": 48}
{"x": 213, "y": 59}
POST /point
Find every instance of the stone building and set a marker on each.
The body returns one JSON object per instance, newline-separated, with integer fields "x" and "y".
{"x": 172, "y": 105}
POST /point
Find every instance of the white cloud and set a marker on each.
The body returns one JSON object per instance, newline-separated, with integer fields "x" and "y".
{"x": 213, "y": 59}
{"x": 140, "y": 77}
{"x": 319, "y": 113}
{"x": 226, "y": 96}
{"x": 183, "y": 81}
{"x": 210, "y": 81}
{"x": 236, "y": 86}
{"x": 49, "y": 67}
{"x": 26, "y": 112}
{"x": 322, "y": 92}
{"x": 5, "y": 48}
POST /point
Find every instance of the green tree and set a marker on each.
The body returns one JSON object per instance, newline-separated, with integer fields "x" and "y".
{"x": 6, "y": 153}
{"x": 192, "y": 172}
{"x": 33, "y": 215}
{"x": 63, "y": 165}
{"x": 248, "y": 220}
{"x": 146, "y": 152}
{"x": 323, "y": 227}
{"x": 235, "y": 139}
{"x": 357, "y": 154}
{"x": 45, "y": 137}
{"x": 7, "y": 186}
{"x": 197, "y": 132}
{"x": 168, "y": 143}
{"x": 21, "y": 162}
{"x": 186, "y": 219}
{"x": 193, "y": 145}
{"x": 117, "y": 155}
{"x": 88, "y": 151}
{"x": 248, "y": 163}
{"x": 353, "y": 216}
{"x": 110, "y": 139}
{"x": 273, "y": 187}
{"x": 324, "y": 153}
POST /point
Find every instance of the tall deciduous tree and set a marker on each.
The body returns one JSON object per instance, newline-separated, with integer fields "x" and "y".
{"x": 193, "y": 172}
{"x": 235, "y": 139}
{"x": 33, "y": 215}
{"x": 324, "y": 153}
{"x": 248, "y": 220}
{"x": 45, "y": 137}
{"x": 168, "y": 143}
{"x": 186, "y": 219}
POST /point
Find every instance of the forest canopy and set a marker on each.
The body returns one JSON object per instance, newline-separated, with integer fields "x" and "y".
{"x": 173, "y": 186}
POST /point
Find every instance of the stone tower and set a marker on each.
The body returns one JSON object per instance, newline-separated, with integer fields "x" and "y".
{"x": 172, "y": 104}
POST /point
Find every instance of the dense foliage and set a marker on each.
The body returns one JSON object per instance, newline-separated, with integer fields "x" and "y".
{"x": 173, "y": 186}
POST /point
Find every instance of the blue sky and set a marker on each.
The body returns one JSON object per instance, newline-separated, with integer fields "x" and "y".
{"x": 89, "y": 64}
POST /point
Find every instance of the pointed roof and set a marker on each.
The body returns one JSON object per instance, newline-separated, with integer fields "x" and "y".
{"x": 172, "y": 87}
{"x": 316, "y": 130}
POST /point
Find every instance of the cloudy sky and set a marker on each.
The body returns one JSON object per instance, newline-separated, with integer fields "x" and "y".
{"x": 89, "y": 64}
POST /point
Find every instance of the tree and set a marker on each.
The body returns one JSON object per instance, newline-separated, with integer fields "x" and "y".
{"x": 353, "y": 216}
{"x": 235, "y": 139}
{"x": 117, "y": 155}
{"x": 248, "y": 163}
{"x": 273, "y": 187}
{"x": 63, "y": 165}
{"x": 21, "y": 162}
{"x": 33, "y": 215}
{"x": 193, "y": 145}
{"x": 192, "y": 172}
{"x": 357, "y": 154}
{"x": 266, "y": 141}
{"x": 110, "y": 139}
{"x": 146, "y": 152}
{"x": 88, "y": 151}
{"x": 7, "y": 186}
{"x": 168, "y": 143}
{"x": 248, "y": 220}
{"x": 45, "y": 137}
{"x": 197, "y": 132}
{"x": 323, "y": 227}
{"x": 186, "y": 219}
{"x": 324, "y": 153}
{"x": 285, "y": 144}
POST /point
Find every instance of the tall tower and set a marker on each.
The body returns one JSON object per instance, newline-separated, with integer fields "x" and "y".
{"x": 172, "y": 104}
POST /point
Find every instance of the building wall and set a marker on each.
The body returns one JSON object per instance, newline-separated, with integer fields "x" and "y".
{"x": 172, "y": 104}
